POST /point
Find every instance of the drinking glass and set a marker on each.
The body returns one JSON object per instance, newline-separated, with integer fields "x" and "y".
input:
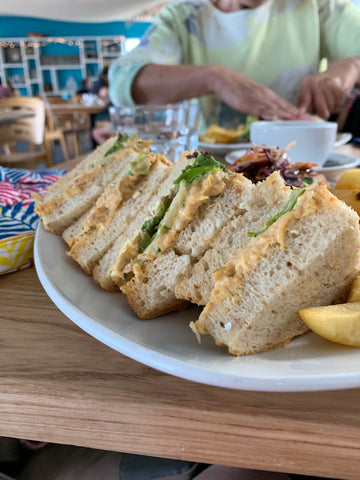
{"x": 172, "y": 128}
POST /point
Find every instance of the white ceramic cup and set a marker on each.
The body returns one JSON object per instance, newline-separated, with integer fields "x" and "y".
{"x": 314, "y": 140}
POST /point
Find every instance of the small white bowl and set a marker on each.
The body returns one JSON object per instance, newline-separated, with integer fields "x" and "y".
{"x": 314, "y": 140}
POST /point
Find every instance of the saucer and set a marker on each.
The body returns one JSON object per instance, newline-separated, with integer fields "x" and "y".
{"x": 337, "y": 164}
{"x": 342, "y": 138}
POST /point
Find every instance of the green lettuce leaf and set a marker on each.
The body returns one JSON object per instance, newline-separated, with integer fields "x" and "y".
{"x": 294, "y": 196}
{"x": 203, "y": 164}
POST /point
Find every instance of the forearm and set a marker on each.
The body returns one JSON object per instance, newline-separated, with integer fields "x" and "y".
{"x": 171, "y": 83}
{"x": 357, "y": 63}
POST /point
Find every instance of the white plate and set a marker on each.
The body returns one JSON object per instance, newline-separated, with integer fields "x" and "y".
{"x": 235, "y": 150}
{"x": 336, "y": 161}
{"x": 222, "y": 148}
{"x": 342, "y": 138}
{"x": 232, "y": 156}
{"x": 308, "y": 363}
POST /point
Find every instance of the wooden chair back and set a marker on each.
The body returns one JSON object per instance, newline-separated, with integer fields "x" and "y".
{"x": 29, "y": 129}
{"x": 55, "y": 130}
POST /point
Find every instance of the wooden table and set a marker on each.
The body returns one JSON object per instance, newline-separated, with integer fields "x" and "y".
{"x": 59, "y": 384}
{"x": 73, "y": 107}
{"x": 74, "y": 119}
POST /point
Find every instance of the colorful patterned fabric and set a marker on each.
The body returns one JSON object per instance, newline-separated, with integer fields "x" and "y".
{"x": 277, "y": 44}
{"x": 18, "y": 220}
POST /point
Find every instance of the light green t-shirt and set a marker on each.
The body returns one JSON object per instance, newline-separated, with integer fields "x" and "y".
{"x": 276, "y": 44}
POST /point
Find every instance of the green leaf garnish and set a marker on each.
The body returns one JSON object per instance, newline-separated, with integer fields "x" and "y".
{"x": 118, "y": 144}
{"x": 150, "y": 227}
{"x": 202, "y": 165}
{"x": 308, "y": 181}
{"x": 295, "y": 194}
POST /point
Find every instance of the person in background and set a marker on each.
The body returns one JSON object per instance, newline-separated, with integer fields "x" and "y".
{"x": 6, "y": 91}
{"x": 100, "y": 86}
{"x": 86, "y": 85}
{"x": 101, "y": 128}
{"x": 258, "y": 57}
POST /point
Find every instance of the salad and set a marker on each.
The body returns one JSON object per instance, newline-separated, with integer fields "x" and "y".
{"x": 260, "y": 161}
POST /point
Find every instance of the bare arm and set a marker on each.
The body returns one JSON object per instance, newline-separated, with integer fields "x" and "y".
{"x": 172, "y": 83}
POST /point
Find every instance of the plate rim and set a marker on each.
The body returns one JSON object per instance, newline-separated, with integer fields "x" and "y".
{"x": 232, "y": 152}
{"x": 160, "y": 361}
{"x": 216, "y": 147}
{"x": 346, "y": 138}
{"x": 353, "y": 161}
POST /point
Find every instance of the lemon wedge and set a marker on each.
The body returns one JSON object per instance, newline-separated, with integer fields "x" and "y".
{"x": 350, "y": 196}
{"x": 349, "y": 180}
{"x": 354, "y": 295}
{"x": 338, "y": 323}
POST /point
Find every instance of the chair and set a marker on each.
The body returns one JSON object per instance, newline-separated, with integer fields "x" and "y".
{"x": 30, "y": 130}
{"x": 71, "y": 124}
{"x": 54, "y": 131}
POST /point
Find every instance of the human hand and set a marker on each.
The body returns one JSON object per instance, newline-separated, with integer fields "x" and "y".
{"x": 324, "y": 93}
{"x": 250, "y": 97}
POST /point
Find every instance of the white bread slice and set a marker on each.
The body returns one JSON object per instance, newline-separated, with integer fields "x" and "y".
{"x": 308, "y": 257}
{"x": 256, "y": 206}
{"x": 56, "y": 189}
{"x": 122, "y": 187}
{"x": 75, "y": 228}
{"x": 106, "y": 273}
{"x": 113, "y": 213}
{"x": 77, "y": 191}
{"x": 153, "y": 278}
{"x": 150, "y": 291}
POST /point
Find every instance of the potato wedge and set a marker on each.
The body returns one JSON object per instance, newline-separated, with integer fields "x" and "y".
{"x": 217, "y": 134}
{"x": 354, "y": 295}
{"x": 338, "y": 323}
{"x": 206, "y": 139}
{"x": 349, "y": 180}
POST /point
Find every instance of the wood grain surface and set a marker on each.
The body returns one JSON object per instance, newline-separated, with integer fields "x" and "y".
{"x": 58, "y": 384}
{"x": 72, "y": 107}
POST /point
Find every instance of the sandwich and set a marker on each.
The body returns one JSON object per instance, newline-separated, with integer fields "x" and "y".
{"x": 68, "y": 199}
{"x": 255, "y": 205}
{"x": 306, "y": 255}
{"x": 167, "y": 235}
{"x": 115, "y": 209}
{"x": 207, "y": 205}
{"x": 133, "y": 212}
{"x": 152, "y": 262}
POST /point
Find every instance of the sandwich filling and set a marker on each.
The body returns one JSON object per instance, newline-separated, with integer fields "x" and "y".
{"x": 82, "y": 182}
{"x": 203, "y": 180}
{"x": 107, "y": 204}
{"x": 238, "y": 262}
